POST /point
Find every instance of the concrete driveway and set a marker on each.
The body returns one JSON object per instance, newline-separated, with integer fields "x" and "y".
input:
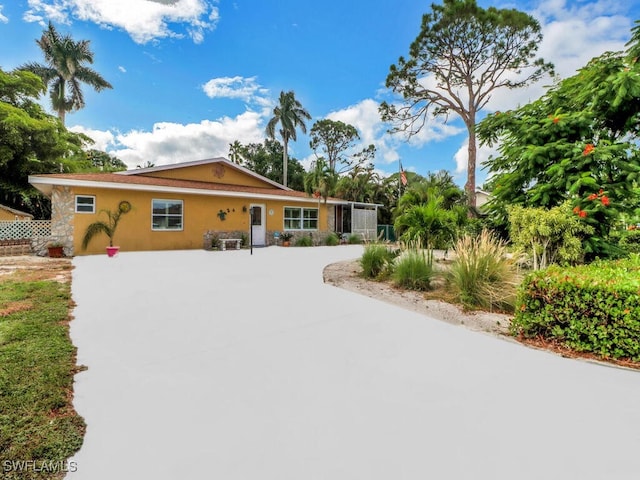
{"x": 222, "y": 365}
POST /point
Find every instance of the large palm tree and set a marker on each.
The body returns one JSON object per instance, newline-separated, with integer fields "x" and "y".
{"x": 290, "y": 114}
{"x": 65, "y": 69}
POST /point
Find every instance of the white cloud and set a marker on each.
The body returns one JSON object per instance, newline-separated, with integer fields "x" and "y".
{"x": 572, "y": 35}
{"x": 3, "y": 19}
{"x": 169, "y": 143}
{"x": 143, "y": 20}
{"x": 482, "y": 155}
{"x": 246, "y": 89}
{"x": 103, "y": 139}
{"x": 366, "y": 118}
{"x": 122, "y": 69}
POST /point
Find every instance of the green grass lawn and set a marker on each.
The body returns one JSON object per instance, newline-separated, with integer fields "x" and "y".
{"x": 38, "y": 424}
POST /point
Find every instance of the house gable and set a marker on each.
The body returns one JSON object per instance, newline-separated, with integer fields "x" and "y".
{"x": 8, "y": 213}
{"x": 217, "y": 170}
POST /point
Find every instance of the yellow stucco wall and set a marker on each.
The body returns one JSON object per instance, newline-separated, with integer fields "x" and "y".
{"x": 199, "y": 215}
{"x": 6, "y": 215}
{"x": 214, "y": 173}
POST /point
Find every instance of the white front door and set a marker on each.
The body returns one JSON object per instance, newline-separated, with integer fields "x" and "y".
{"x": 258, "y": 224}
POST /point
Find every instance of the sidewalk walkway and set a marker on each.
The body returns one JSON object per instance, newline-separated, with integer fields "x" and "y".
{"x": 226, "y": 366}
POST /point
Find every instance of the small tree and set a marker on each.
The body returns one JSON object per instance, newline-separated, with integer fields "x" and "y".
{"x": 334, "y": 139}
{"x": 549, "y": 236}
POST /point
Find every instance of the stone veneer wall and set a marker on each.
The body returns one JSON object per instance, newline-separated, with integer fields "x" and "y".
{"x": 62, "y": 214}
{"x": 317, "y": 237}
{"x": 331, "y": 217}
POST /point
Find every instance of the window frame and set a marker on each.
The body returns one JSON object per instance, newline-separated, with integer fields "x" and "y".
{"x": 167, "y": 215}
{"x": 93, "y": 204}
{"x": 301, "y": 219}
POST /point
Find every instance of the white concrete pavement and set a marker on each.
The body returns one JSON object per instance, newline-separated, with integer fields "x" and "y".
{"x": 222, "y": 365}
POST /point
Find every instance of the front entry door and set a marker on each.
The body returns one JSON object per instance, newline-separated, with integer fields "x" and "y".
{"x": 258, "y": 224}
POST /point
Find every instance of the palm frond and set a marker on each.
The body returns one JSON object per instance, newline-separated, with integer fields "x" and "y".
{"x": 93, "y": 230}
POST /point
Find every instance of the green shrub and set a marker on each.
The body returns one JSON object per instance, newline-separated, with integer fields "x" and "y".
{"x": 414, "y": 270}
{"x": 590, "y": 308}
{"x": 630, "y": 241}
{"x": 304, "y": 241}
{"x": 332, "y": 239}
{"x": 376, "y": 260}
{"x": 481, "y": 274}
{"x": 354, "y": 239}
{"x": 548, "y": 235}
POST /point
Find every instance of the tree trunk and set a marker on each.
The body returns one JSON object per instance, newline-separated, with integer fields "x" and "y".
{"x": 470, "y": 186}
{"x": 285, "y": 161}
{"x": 61, "y": 115}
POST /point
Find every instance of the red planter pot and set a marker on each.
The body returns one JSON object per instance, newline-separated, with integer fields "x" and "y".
{"x": 56, "y": 252}
{"x": 112, "y": 251}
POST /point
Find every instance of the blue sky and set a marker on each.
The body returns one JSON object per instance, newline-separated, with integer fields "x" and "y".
{"x": 192, "y": 76}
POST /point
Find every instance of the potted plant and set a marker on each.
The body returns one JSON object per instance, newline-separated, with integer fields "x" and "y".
{"x": 286, "y": 238}
{"x": 108, "y": 228}
{"x": 56, "y": 249}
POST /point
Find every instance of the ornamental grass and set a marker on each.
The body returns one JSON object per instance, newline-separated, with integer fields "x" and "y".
{"x": 482, "y": 275}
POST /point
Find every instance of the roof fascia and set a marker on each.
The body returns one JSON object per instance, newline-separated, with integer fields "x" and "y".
{"x": 38, "y": 182}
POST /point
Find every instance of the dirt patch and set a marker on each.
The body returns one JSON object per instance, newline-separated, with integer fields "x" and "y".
{"x": 34, "y": 268}
{"x": 347, "y": 275}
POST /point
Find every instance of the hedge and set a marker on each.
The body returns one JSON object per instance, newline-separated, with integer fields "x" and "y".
{"x": 590, "y": 308}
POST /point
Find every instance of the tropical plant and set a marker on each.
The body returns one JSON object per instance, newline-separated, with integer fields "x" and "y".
{"x": 630, "y": 241}
{"x": 360, "y": 184}
{"x": 304, "y": 241}
{"x": 290, "y": 115}
{"x": 579, "y": 142}
{"x": 354, "y": 239}
{"x": 320, "y": 180}
{"x": 548, "y": 235}
{"x": 31, "y": 142}
{"x": 65, "y": 70}
{"x": 266, "y": 159}
{"x": 428, "y": 224}
{"x": 481, "y": 274}
{"x": 332, "y": 239}
{"x": 107, "y": 227}
{"x": 286, "y": 236}
{"x": 413, "y": 269}
{"x": 464, "y": 53}
{"x": 376, "y": 259}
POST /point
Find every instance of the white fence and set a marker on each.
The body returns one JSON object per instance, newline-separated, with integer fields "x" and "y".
{"x": 18, "y": 230}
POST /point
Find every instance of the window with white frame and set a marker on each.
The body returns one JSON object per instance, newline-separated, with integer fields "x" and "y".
{"x": 166, "y": 214}
{"x": 298, "y": 218}
{"x": 85, "y": 204}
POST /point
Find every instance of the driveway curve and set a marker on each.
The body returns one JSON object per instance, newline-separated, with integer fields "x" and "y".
{"x": 231, "y": 366}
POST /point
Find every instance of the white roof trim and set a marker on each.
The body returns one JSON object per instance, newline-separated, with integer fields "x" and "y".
{"x": 207, "y": 161}
{"x": 66, "y": 182}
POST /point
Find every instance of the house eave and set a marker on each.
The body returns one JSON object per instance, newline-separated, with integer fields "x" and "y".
{"x": 45, "y": 185}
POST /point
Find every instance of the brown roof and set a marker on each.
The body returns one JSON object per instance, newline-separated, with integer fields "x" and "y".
{"x": 171, "y": 182}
